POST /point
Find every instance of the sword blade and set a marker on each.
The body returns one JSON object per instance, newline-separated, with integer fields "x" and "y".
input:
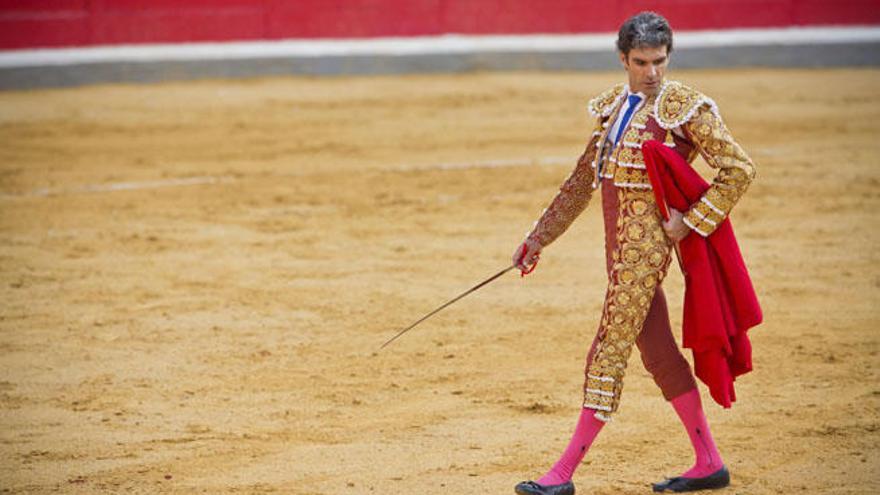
{"x": 432, "y": 313}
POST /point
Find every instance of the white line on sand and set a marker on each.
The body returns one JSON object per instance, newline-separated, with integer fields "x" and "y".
{"x": 421, "y": 45}
{"x": 119, "y": 186}
{"x": 203, "y": 180}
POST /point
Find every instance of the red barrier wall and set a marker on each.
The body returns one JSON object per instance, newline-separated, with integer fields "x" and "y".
{"x": 55, "y": 23}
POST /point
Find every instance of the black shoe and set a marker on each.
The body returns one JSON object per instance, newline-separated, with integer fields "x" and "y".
{"x": 718, "y": 479}
{"x": 532, "y": 488}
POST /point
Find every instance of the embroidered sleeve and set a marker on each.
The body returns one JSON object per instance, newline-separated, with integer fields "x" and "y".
{"x": 572, "y": 199}
{"x": 735, "y": 170}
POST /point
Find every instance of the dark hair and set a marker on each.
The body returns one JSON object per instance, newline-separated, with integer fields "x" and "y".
{"x": 644, "y": 29}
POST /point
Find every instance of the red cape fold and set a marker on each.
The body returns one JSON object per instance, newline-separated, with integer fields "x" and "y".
{"x": 720, "y": 304}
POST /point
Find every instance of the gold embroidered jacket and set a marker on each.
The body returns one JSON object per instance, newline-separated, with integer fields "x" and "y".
{"x": 683, "y": 119}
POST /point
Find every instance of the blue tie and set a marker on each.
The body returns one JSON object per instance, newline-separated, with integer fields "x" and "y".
{"x": 633, "y": 101}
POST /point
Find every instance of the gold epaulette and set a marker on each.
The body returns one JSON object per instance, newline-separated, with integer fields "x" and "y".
{"x": 677, "y": 104}
{"x": 603, "y": 105}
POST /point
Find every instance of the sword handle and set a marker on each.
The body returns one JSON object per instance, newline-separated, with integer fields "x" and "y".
{"x": 529, "y": 268}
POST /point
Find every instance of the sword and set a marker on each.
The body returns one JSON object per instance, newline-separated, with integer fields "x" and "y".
{"x": 529, "y": 269}
{"x": 432, "y": 313}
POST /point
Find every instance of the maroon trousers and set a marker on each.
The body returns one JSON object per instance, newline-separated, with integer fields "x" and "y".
{"x": 659, "y": 350}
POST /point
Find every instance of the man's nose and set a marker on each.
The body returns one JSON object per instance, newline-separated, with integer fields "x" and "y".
{"x": 652, "y": 71}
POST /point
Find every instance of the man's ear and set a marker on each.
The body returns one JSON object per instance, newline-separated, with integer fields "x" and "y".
{"x": 622, "y": 59}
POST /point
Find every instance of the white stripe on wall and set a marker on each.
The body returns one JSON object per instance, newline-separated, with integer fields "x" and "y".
{"x": 425, "y": 45}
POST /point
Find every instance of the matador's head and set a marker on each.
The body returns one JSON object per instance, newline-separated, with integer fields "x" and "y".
{"x": 644, "y": 43}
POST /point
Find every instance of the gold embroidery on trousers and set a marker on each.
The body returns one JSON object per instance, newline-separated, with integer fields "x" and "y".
{"x": 639, "y": 264}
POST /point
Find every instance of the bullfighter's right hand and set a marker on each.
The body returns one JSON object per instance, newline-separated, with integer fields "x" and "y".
{"x": 526, "y": 256}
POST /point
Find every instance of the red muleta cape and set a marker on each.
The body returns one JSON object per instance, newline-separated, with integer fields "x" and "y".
{"x": 720, "y": 304}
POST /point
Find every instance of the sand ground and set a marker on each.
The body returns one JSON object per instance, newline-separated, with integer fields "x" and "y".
{"x": 195, "y": 278}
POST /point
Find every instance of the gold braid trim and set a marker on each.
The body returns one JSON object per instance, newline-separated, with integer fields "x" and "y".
{"x": 677, "y": 104}
{"x": 604, "y": 104}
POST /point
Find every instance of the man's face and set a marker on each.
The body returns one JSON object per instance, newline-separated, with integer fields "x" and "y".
{"x": 645, "y": 68}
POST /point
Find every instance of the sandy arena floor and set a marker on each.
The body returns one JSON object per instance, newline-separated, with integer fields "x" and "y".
{"x": 196, "y": 278}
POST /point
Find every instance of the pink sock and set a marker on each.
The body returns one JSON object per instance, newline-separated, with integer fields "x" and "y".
{"x": 584, "y": 434}
{"x": 690, "y": 411}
